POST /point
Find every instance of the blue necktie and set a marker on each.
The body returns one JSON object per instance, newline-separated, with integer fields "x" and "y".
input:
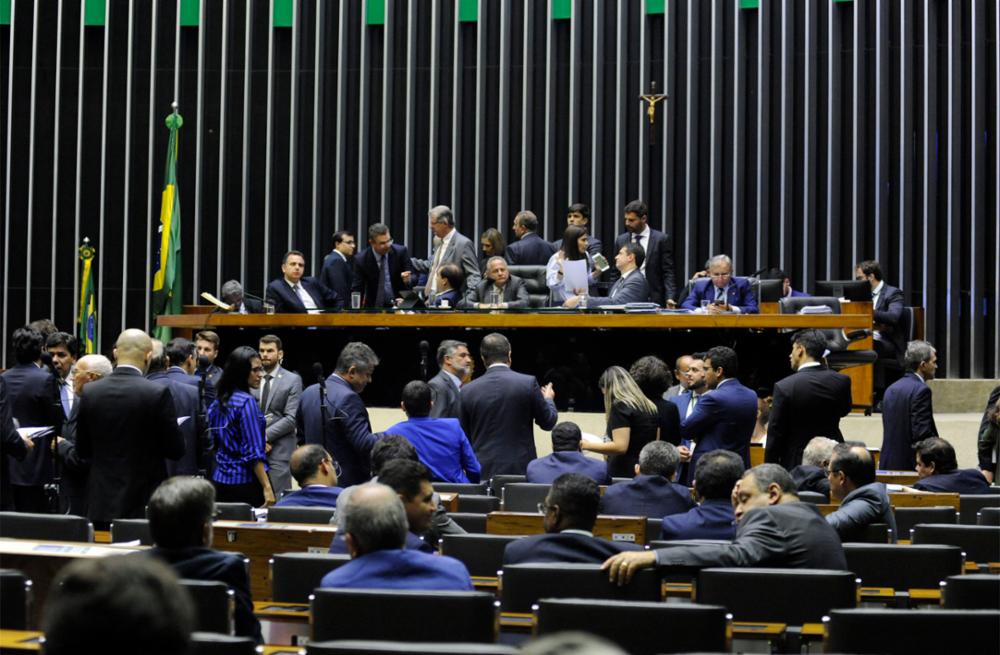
{"x": 384, "y": 288}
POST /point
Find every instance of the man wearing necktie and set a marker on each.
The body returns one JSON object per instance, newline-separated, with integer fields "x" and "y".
{"x": 278, "y": 397}
{"x": 721, "y": 291}
{"x": 657, "y": 264}
{"x": 630, "y": 287}
{"x": 887, "y": 314}
{"x": 382, "y": 270}
{"x": 63, "y": 348}
{"x": 295, "y": 294}
{"x": 450, "y": 247}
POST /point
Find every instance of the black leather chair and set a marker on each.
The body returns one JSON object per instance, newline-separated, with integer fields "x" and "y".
{"x": 654, "y": 528}
{"x": 877, "y": 533}
{"x": 294, "y": 576}
{"x": 523, "y": 496}
{"x": 472, "y": 522}
{"x": 837, "y": 341}
{"x": 534, "y": 282}
{"x": 361, "y": 647}
{"x": 49, "y": 527}
{"x": 213, "y": 605}
{"x": 478, "y": 504}
{"x": 813, "y": 497}
{"x": 442, "y": 616}
{"x": 981, "y": 543}
{"x": 904, "y": 632}
{"x": 522, "y": 585}
{"x": 639, "y": 628}
{"x": 234, "y": 512}
{"x": 976, "y": 591}
{"x": 903, "y": 567}
{"x": 214, "y": 643}
{"x": 907, "y": 517}
{"x": 474, "y": 489}
{"x": 298, "y": 514}
{"x": 988, "y": 516}
{"x": 482, "y": 554}
{"x": 15, "y": 599}
{"x": 794, "y": 596}
{"x": 970, "y": 504}
{"x": 497, "y": 483}
{"x": 131, "y": 530}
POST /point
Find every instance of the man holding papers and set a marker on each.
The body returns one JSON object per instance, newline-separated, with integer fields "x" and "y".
{"x": 630, "y": 287}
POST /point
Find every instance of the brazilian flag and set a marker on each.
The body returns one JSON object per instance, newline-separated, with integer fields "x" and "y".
{"x": 88, "y": 310}
{"x": 167, "y": 267}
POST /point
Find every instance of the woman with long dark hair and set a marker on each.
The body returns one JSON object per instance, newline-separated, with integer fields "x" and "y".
{"x": 632, "y": 420}
{"x": 237, "y": 427}
{"x": 574, "y": 248}
{"x": 492, "y": 244}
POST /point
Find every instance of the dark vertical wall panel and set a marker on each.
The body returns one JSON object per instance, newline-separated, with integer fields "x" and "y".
{"x": 805, "y": 134}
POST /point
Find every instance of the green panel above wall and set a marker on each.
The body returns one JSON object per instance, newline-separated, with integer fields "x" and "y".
{"x": 749, "y": 4}
{"x": 190, "y": 13}
{"x": 284, "y": 13}
{"x": 94, "y": 12}
{"x": 4, "y": 12}
{"x": 656, "y": 6}
{"x": 375, "y": 12}
{"x": 562, "y": 9}
{"x": 468, "y": 11}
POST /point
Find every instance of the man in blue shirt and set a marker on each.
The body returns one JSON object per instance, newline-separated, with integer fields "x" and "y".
{"x": 314, "y": 470}
{"x": 374, "y": 524}
{"x": 714, "y": 478}
{"x": 440, "y": 442}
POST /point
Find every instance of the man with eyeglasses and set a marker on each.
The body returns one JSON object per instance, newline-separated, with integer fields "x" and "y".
{"x": 721, "y": 292}
{"x": 382, "y": 270}
{"x": 316, "y": 472}
{"x": 338, "y": 267}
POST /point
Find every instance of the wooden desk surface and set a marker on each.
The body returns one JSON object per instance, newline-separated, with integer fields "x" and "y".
{"x": 897, "y": 477}
{"x": 633, "y": 528}
{"x": 20, "y": 640}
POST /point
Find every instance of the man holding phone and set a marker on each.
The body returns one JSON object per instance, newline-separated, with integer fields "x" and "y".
{"x": 721, "y": 292}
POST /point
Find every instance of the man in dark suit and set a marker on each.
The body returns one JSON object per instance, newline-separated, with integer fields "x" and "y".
{"x": 498, "y": 290}
{"x": 294, "y": 294}
{"x": 938, "y": 469}
{"x": 62, "y": 348}
{"x": 342, "y": 427}
{"x": 887, "y": 312}
{"x": 180, "y": 519}
{"x": 811, "y": 475}
{"x": 807, "y": 403}
{"x": 722, "y": 291}
{"x": 382, "y": 270}
{"x": 207, "y": 344}
{"x": 33, "y": 396}
{"x": 232, "y": 294}
{"x": 786, "y": 288}
{"x": 631, "y": 286}
{"x": 451, "y": 247}
{"x": 579, "y": 214}
{"x": 127, "y": 427}
{"x": 498, "y": 409}
{"x": 907, "y": 412}
{"x": 338, "y": 267}
{"x": 863, "y": 500}
{"x": 570, "y": 508}
{"x": 658, "y": 263}
{"x": 12, "y": 445}
{"x": 714, "y": 478}
{"x": 454, "y": 360}
{"x": 278, "y": 396}
{"x": 566, "y": 457}
{"x": 987, "y": 448}
{"x": 313, "y": 468}
{"x": 691, "y": 374}
{"x": 775, "y": 530}
{"x": 529, "y": 249}
{"x": 186, "y": 405}
{"x": 652, "y": 492}
{"x": 725, "y": 416}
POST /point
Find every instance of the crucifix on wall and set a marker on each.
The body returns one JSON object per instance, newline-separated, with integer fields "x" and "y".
{"x": 651, "y": 99}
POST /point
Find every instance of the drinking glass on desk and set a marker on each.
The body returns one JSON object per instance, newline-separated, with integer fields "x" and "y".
{"x": 494, "y": 297}
{"x": 704, "y": 305}
{"x": 355, "y": 300}
{"x": 268, "y": 307}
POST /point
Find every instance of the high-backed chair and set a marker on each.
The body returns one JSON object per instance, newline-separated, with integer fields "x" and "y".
{"x": 470, "y": 521}
{"x": 234, "y": 512}
{"x": 903, "y": 567}
{"x": 837, "y": 340}
{"x": 976, "y": 591}
{"x": 294, "y": 576}
{"x": 654, "y": 528}
{"x": 907, "y": 517}
{"x": 794, "y": 596}
{"x": 131, "y": 530}
{"x": 639, "y": 628}
{"x": 970, "y": 504}
{"x": 478, "y": 504}
{"x": 362, "y": 647}
{"x": 214, "y": 643}
{"x": 534, "y": 283}
{"x": 988, "y": 516}
{"x": 50, "y": 527}
{"x": 15, "y": 599}
{"x": 214, "y": 605}
{"x": 482, "y": 554}
{"x": 498, "y": 482}
{"x": 472, "y": 489}
{"x": 298, "y": 514}
{"x": 523, "y": 496}
{"x": 522, "y": 585}
{"x": 814, "y": 497}
{"x": 904, "y": 632}
{"x": 877, "y": 533}
{"x": 981, "y": 543}
{"x": 445, "y": 616}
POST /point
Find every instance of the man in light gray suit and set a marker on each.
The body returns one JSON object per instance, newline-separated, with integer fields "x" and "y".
{"x": 454, "y": 361}
{"x": 451, "y": 248}
{"x": 278, "y": 395}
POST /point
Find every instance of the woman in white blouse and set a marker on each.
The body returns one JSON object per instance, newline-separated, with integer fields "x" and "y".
{"x": 574, "y": 247}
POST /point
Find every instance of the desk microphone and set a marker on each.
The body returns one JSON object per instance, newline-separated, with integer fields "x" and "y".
{"x": 424, "y": 348}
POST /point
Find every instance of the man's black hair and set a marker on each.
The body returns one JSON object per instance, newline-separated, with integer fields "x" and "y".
{"x": 404, "y": 476}
{"x": 417, "y": 398}
{"x": 578, "y": 498}
{"x": 390, "y": 447}
{"x": 716, "y": 474}
{"x": 856, "y": 463}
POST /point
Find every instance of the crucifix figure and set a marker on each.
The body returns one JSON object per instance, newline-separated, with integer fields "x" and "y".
{"x": 652, "y": 98}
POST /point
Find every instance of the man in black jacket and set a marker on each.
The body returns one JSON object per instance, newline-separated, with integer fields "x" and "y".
{"x": 529, "y": 249}
{"x": 454, "y": 360}
{"x": 659, "y": 256}
{"x": 294, "y": 294}
{"x": 887, "y": 311}
{"x": 383, "y": 270}
{"x": 338, "y": 267}
{"x": 11, "y": 445}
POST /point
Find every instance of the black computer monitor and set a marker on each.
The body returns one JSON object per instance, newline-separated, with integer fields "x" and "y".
{"x": 858, "y": 290}
{"x": 770, "y": 290}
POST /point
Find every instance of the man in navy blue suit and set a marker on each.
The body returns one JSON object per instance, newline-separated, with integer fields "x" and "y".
{"x": 907, "y": 412}
{"x": 691, "y": 375}
{"x": 786, "y": 288}
{"x": 294, "y": 294}
{"x": 529, "y": 249}
{"x": 714, "y": 478}
{"x": 651, "y": 493}
{"x": 313, "y": 468}
{"x": 185, "y": 395}
{"x": 570, "y": 513}
{"x": 631, "y": 286}
{"x": 382, "y": 270}
{"x": 887, "y": 312}
{"x": 342, "y": 427}
{"x": 498, "y": 409}
{"x": 938, "y": 469}
{"x": 566, "y": 457}
{"x": 338, "y": 266}
{"x": 657, "y": 264}
{"x": 722, "y": 291}
{"x": 725, "y": 416}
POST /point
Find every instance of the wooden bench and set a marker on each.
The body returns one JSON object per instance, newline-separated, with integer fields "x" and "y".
{"x": 631, "y": 529}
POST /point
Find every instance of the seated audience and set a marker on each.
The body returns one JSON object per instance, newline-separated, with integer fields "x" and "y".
{"x": 630, "y": 287}
{"x": 374, "y": 524}
{"x": 449, "y": 287}
{"x": 566, "y": 458}
{"x": 180, "y": 516}
{"x": 715, "y": 475}
{"x": 498, "y": 289}
{"x": 938, "y": 469}
{"x": 863, "y": 501}
{"x": 810, "y": 475}
{"x": 653, "y": 377}
{"x": 570, "y": 513}
{"x": 651, "y": 493}
{"x": 721, "y": 291}
{"x": 775, "y": 530}
{"x": 117, "y": 606}
{"x": 441, "y": 443}
{"x": 315, "y": 471}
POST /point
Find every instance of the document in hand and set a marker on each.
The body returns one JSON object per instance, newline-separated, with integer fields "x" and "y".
{"x": 35, "y": 433}
{"x": 575, "y": 276}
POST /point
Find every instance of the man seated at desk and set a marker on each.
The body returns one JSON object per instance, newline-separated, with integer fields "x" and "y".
{"x": 498, "y": 290}
{"x": 232, "y": 294}
{"x": 652, "y": 492}
{"x": 938, "y": 469}
{"x": 294, "y": 294}
{"x": 314, "y": 470}
{"x": 863, "y": 500}
{"x": 630, "y": 287}
{"x": 721, "y": 292}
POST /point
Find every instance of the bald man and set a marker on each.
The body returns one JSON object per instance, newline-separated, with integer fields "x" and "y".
{"x": 127, "y": 428}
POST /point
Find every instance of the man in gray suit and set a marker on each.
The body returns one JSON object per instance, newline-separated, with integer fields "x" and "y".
{"x": 454, "y": 361}
{"x": 278, "y": 395}
{"x": 451, "y": 247}
{"x": 630, "y": 287}
{"x": 500, "y": 289}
